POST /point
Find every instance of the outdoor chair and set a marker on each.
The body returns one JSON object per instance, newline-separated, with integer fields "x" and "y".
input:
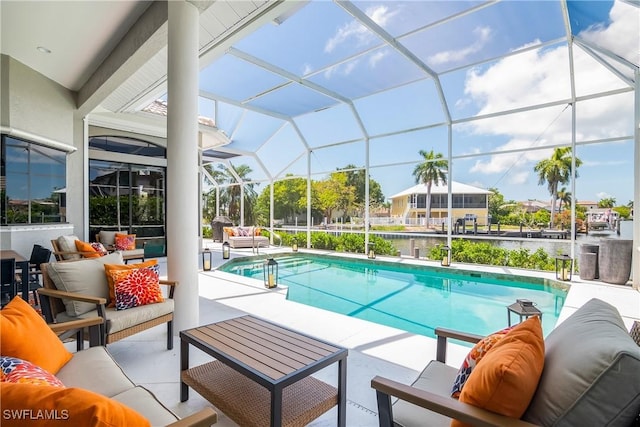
{"x": 64, "y": 249}
{"x": 32, "y": 278}
{"x": 590, "y": 376}
{"x": 8, "y": 285}
{"x": 79, "y": 289}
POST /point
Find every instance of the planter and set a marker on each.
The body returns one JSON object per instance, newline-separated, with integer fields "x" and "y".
{"x": 586, "y": 260}
{"x": 615, "y": 260}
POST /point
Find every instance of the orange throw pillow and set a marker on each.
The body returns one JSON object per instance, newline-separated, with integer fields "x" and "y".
{"x": 506, "y": 378}
{"x": 108, "y": 268}
{"x": 88, "y": 251}
{"x": 125, "y": 242}
{"x": 24, "y": 334}
{"x": 43, "y": 405}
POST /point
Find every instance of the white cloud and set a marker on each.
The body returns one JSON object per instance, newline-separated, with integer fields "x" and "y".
{"x": 603, "y": 195}
{"x": 537, "y": 77}
{"x": 377, "y": 57}
{"x": 356, "y": 33}
{"x": 624, "y": 26}
{"x": 482, "y": 35}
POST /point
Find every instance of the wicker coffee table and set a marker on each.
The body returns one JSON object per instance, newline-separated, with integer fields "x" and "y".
{"x": 262, "y": 372}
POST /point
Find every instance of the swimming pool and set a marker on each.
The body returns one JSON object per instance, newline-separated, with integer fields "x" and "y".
{"x": 412, "y": 298}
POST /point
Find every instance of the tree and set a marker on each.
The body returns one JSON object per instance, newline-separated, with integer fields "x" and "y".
{"x": 564, "y": 197}
{"x": 554, "y": 171}
{"x": 333, "y": 193}
{"x": 498, "y": 208}
{"x": 230, "y": 193}
{"x": 607, "y": 202}
{"x": 356, "y": 179}
{"x": 431, "y": 170}
{"x": 288, "y": 200}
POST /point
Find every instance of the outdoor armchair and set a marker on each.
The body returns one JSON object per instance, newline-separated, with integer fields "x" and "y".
{"x": 79, "y": 289}
{"x": 591, "y": 376}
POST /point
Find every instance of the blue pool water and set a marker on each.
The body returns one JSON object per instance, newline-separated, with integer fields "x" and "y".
{"x": 412, "y": 298}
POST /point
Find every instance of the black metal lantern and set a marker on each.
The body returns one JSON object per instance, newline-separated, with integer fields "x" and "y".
{"x": 270, "y": 273}
{"x": 294, "y": 247}
{"x": 206, "y": 259}
{"x": 226, "y": 250}
{"x": 564, "y": 267}
{"x": 445, "y": 254}
{"x": 371, "y": 253}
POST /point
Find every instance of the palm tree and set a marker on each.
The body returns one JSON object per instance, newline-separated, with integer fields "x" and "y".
{"x": 231, "y": 181}
{"x": 565, "y": 198}
{"x": 431, "y": 170}
{"x": 554, "y": 171}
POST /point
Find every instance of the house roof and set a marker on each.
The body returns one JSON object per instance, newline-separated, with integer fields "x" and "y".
{"x": 456, "y": 188}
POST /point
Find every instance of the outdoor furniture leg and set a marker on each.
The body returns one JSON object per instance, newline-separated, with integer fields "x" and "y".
{"x": 184, "y": 365}
{"x": 276, "y": 407}
{"x": 342, "y": 392}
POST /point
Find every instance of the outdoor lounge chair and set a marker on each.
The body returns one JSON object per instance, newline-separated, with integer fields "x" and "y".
{"x": 591, "y": 376}
{"x": 86, "y": 295}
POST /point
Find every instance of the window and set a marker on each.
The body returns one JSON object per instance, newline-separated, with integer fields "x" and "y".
{"x": 32, "y": 183}
{"x": 128, "y": 197}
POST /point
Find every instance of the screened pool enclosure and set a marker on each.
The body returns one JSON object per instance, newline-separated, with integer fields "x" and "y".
{"x": 484, "y": 90}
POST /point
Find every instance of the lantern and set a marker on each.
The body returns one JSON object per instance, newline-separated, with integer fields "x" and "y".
{"x": 294, "y": 247}
{"x": 226, "y": 250}
{"x": 371, "y": 254}
{"x": 206, "y": 259}
{"x": 564, "y": 267}
{"x": 270, "y": 273}
{"x": 445, "y": 254}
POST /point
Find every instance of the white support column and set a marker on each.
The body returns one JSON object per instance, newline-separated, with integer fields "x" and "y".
{"x": 182, "y": 161}
{"x": 636, "y": 184}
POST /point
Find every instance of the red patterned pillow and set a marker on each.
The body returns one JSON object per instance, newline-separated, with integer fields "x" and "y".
{"x": 14, "y": 370}
{"x": 473, "y": 358}
{"x": 136, "y": 287}
{"x": 125, "y": 242}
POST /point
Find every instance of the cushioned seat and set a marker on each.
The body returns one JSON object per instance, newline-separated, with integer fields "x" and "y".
{"x": 81, "y": 289}
{"x": 108, "y": 239}
{"x": 591, "y": 376}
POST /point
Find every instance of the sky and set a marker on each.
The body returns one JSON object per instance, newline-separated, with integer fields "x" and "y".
{"x": 368, "y": 89}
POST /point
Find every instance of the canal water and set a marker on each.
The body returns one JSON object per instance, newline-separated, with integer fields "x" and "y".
{"x": 552, "y": 246}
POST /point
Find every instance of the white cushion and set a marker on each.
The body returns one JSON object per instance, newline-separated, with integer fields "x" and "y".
{"x": 108, "y": 238}
{"x": 68, "y": 244}
{"x": 85, "y": 277}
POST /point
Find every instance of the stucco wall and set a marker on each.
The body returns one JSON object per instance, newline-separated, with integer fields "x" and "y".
{"x": 36, "y": 104}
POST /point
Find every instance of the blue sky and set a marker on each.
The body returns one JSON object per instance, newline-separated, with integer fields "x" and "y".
{"x": 394, "y": 103}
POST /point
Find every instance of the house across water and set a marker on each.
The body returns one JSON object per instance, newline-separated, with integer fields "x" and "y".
{"x": 469, "y": 203}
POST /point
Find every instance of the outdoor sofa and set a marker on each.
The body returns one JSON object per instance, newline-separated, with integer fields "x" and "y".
{"x": 41, "y": 376}
{"x": 244, "y": 237}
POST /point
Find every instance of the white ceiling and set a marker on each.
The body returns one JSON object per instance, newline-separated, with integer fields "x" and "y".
{"x": 81, "y": 34}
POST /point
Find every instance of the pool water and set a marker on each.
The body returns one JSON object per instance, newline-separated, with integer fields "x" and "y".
{"x": 412, "y": 298}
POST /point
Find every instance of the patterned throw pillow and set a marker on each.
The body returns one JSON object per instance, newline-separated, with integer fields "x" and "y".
{"x": 473, "y": 358}
{"x": 14, "y": 370}
{"x": 125, "y": 242}
{"x": 136, "y": 287}
{"x": 99, "y": 247}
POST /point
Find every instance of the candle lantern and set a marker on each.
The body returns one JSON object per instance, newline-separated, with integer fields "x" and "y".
{"x": 564, "y": 267}
{"x": 294, "y": 247}
{"x": 445, "y": 254}
{"x": 226, "y": 250}
{"x": 270, "y": 273}
{"x": 371, "y": 253}
{"x": 206, "y": 259}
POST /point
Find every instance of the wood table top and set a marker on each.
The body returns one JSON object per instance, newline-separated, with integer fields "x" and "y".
{"x": 262, "y": 346}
